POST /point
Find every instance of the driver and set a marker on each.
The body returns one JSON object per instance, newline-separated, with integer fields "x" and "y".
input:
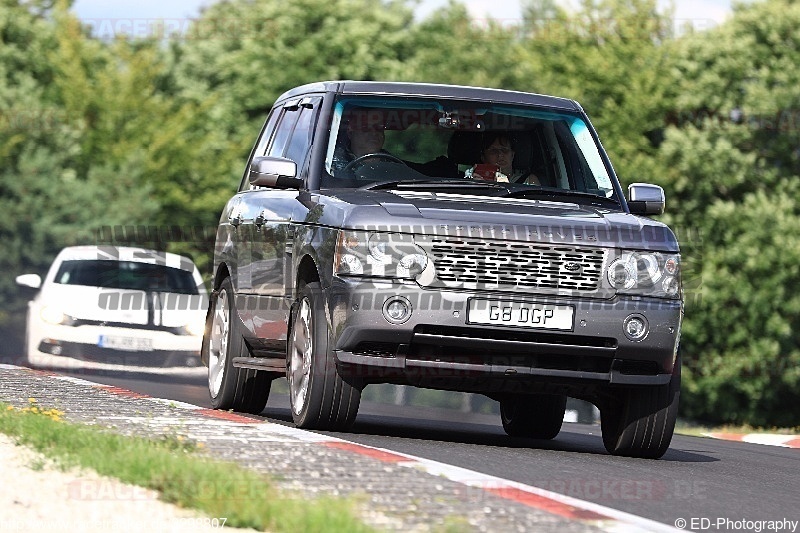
{"x": 364, "y": 135}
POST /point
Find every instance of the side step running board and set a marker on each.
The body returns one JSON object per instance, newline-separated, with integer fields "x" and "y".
{"x": 260, "y": 363}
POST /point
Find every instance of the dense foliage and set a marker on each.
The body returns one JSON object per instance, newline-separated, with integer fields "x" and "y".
{"x": 97, "y": 133}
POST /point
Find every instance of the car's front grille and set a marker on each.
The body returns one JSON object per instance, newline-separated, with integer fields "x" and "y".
{"x": 511, "y": 265}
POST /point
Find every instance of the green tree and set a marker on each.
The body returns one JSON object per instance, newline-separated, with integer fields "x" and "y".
{"x": 240, "y": 56}
{"x": 64, "y": 174}
{"x": 153, "y": 132}
{"x": 731, "y": 171}
{"x": 237, "y": 58}
{"x": 612, "y": 57}
{"x": 478, "y": 52}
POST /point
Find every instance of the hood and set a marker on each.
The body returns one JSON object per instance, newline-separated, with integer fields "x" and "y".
{"x": 125, "y": 306}
{"x": 496, "y": 217}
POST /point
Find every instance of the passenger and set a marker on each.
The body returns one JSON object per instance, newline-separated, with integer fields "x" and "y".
{"x": 497, "y": 150}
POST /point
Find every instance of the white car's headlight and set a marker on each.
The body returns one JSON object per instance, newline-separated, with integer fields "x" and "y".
{"x": 54, "y": 315}
{"x": 646, "y": 273}
{"x": 377, "y": 254}
{"x": 196, "y": 328}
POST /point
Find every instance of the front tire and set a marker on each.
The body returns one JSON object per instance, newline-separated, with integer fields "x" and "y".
{"x": 229, "y": 387}
{"x": 537, "y": 416}
{"x": 319, "y": 397}
{"x": 25, "y": 360}
{"x": 642, "y": 423}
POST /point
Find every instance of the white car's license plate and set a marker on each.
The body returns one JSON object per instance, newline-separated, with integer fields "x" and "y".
{"x": 130, "y": 344}
{"x": 531, "y": 315}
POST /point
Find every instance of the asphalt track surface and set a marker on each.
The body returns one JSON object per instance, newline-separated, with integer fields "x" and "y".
{"x": 712, "y": 484}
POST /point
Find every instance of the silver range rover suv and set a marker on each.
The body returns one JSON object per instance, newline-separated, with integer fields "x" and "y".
{"x": 447, "y": 237}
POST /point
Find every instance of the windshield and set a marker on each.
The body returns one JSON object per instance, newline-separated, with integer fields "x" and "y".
{"x": 126, "y": 275}
{"x": 424, "y": 141}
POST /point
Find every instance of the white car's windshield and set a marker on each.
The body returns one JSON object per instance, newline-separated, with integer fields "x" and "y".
{"x": 130, "y": 275}
{"x": 379, "y": 139}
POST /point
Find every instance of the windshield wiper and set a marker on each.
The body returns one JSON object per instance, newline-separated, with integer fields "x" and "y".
{"x": 534, "y": 192}
{"x": 459, "y": 183}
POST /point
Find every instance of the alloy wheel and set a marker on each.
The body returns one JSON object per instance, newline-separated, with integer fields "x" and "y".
{"x": 302, "y": 347}
{"x": 218, "y": 343}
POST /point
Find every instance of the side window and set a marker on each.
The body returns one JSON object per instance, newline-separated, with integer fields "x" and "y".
{"x": 266, "y": 136}
{"x": 303, "y": 134}
{"x": 285, "y": 127}
{"x": 261, "y": 145}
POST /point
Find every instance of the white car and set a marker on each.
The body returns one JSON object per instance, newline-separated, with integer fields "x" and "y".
{"x": 116, "y": 305}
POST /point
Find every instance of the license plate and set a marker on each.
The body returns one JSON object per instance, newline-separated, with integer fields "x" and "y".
{"x": 129, "y": 344}
{"x": 521, "y": 314}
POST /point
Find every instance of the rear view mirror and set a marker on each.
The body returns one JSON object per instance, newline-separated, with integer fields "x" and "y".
{"x": 274, "y": 172}
{"x": 34, "y": 281}
{"x": 646, "y": 199}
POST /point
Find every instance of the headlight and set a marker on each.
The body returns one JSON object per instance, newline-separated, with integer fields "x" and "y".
{"x": 376, "y": 254}
{"x": 54, "y": 315}
{"x": 196, "y": 328}
{"x": 646, "y": 273}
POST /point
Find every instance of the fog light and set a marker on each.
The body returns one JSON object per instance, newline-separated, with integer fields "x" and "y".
{"x": 635, "y": 327}
{"x": 50, "y": 346}
{"x": 196, "y": 328}
{"x": 397, "y": 309}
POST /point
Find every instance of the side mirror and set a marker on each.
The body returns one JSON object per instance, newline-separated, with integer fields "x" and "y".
{"x": 646, "y": 199}
{"x": 34, "y": 281}
{"x": 274, "y": 172}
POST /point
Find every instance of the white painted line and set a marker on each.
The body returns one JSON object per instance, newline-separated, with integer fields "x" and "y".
{"x": 76, "y": 381}
{"x": 476, "y": 479}
{"x": 605, "y": 518}
{"x": 768, "y": 439}
{"x": 622, "y": 521}
{"x": 54, "y": 363}
{"x": 297, "y": 434}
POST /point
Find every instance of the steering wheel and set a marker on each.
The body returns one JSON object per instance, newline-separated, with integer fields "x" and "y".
{"x": 378, "y": 155}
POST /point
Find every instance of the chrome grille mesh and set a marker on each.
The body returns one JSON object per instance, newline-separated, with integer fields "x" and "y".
{"x": 514, "y": 265}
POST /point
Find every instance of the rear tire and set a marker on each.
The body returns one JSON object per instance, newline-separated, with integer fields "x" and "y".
{"x": 537, "y": 416}
{"x": 229, "y": 387}
{"x": 641, "y": 424}
{"x": 319, "y": 397}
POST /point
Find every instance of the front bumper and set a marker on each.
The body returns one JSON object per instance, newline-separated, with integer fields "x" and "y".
{"x": 163, "y": 349}
{"x": 438, "y": 347}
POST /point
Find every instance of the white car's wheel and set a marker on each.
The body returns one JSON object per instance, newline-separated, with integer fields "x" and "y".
{"x": 32, "y": 356}
{"x": 28, "y": 348}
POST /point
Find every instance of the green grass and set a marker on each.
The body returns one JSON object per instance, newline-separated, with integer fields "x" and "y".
{"x": 178, "y": 470}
